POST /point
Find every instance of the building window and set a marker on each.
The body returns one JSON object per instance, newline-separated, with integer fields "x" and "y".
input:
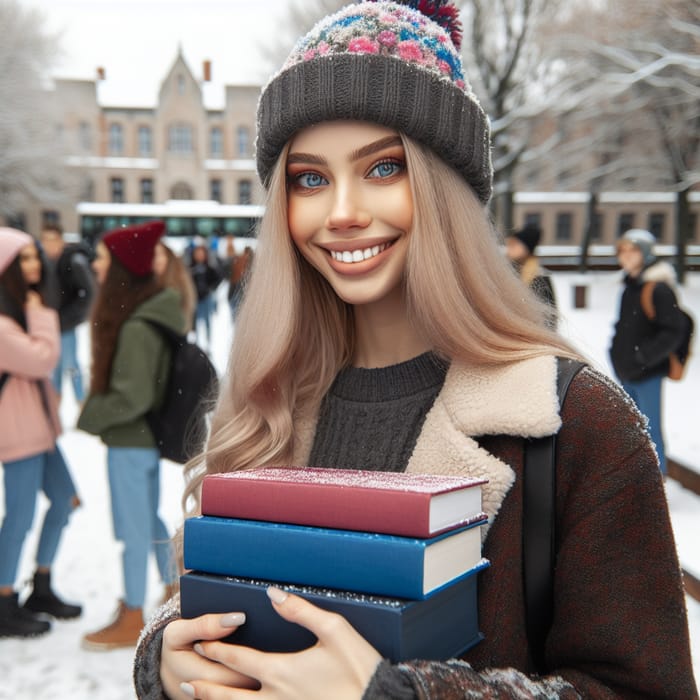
{"x": 625, "y": 222}
{"x": 244, "y": 191}
{"x": 180, "y": 138}
{"x": 243, "y": 140}
{"x": 180, "y": 84}
{"x": 50, "y": 217}
{"x": 85, "y": 136}
{"x": 657, "y": 221}
{"x": 216, "y": 142}
{"x": 533, "y": 218}
{"x": 598, "y": 222}
{"x": 147, "y": 190}
{"x": 563, "y": 231}
{"x": 87, "y": 191}
{"x": 181, "y": 190}
{"x": 215, "y": 190}
{"x": 145, "y": 141}
{"x": 116, "y": 139}
{"x": 17, "y": 220}
{"x": 116, "y": 186}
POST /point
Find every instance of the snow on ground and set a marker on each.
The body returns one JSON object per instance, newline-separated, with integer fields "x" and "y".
{"x": 87, "y": 569}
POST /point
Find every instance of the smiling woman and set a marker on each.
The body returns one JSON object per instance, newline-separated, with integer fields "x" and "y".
{"x": 383, "y": 329}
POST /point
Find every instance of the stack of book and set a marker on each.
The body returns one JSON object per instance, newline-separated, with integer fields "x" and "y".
{"x": 396, "y": 554}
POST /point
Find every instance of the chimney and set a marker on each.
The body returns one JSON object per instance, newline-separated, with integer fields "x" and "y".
{"x": 100, "y": 73}
{"x": 207, "y": 70}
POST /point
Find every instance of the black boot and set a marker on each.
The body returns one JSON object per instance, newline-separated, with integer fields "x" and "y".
{"x": 17, "y": 622}
{"x": 44, "y": 600}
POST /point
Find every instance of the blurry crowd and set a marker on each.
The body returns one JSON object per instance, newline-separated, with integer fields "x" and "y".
{"x": 48, "y": 287}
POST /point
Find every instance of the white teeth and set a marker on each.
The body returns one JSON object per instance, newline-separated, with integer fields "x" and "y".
{"x": 353, "y": 256}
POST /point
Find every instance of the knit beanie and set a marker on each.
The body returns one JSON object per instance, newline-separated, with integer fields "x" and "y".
{"x": 396, "y": 64}
{"x": 529, "y": 236}
{"x": 644, "y": 240}
{"x": 133, "y": 246}
{"x": 11, "y": 242}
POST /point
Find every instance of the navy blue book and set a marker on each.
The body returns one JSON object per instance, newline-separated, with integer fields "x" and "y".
{"x": 441, "y": 627}
{"x": 347, "y": 560}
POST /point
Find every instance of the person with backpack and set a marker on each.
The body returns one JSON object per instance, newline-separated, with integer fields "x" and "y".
{"x": 206, "y": 278}
{"x": 641, "y": 346}
{"x": 29, "y": 426}
{"x": 129, "y": 373}
{"x": 382, "y": 328}
{"x": 69, "y": 287}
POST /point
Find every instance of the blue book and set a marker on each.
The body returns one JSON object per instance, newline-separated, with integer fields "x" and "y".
{"x": 441, "y": 627}
{"x": 348, "y": 560}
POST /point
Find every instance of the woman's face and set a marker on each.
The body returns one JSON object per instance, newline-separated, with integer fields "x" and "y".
{"x": 630, "y": 257}
{"x": 101, "y": 263}
{"x": 30, "y": 263}
{"x": 160, "y": 260}
{"x": 350, "y": 207}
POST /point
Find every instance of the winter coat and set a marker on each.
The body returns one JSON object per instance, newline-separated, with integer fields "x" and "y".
{"x": 619, "y": 628}
{"x": 206, "y": 279}
{"x": 640, "y": 347}
{"x": 138, "y": 378}
{"x": 29, "y": 423}
{"x": 70, "y": 286}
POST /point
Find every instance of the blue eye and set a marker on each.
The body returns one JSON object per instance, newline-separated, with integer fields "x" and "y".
{"x": 387, "y": 168}
{"x": 310, "y": 180}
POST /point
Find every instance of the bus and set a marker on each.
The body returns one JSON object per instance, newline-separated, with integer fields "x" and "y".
{"x": 184, "y": 219}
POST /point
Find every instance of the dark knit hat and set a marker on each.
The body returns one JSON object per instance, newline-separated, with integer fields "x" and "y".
{"x": 387, "y": 63}
{"x": 529, "y": 236}
{"x": 133, "y": 246}
{"x": 644, "y": 240}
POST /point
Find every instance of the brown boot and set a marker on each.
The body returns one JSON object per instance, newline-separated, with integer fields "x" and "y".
{"x": 122, "y": 632}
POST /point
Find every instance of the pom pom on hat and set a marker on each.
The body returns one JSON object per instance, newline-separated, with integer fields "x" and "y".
{"x": 529, "y": 236}
{"x": 387, "y": 62}
{"x": 134, "y": 245}
{"x": 11, "y": 242}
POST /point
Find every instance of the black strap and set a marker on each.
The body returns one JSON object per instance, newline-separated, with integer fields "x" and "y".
{"x": 539, "y": 520}
{"x": 3, "y": 378}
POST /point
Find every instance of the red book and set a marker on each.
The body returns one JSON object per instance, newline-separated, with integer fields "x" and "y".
{"x": 394, "y": 503}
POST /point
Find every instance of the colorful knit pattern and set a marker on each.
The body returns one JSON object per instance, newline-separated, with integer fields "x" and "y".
{"x": 388, "y": 29}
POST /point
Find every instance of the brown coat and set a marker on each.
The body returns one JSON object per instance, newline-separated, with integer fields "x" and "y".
{"x": 620, "y": 628}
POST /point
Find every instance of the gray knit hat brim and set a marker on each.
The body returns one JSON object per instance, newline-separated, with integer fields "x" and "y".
{"x": 382, "y": 90}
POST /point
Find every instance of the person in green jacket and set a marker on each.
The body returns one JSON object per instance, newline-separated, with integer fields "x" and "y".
{"x": 130, "y": 362}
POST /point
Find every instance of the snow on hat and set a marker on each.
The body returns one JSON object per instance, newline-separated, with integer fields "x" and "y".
{"x": 529, "y": 236}
{"x": 392, "y": 63}
{"x": 11, "y": 242}
{"x": 644, "y": 240}
{"x": 134, "y": 245}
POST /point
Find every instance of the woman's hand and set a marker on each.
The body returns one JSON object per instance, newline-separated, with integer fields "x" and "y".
{"x": 339, "y": 666}
{"x": 33, "y": 299}
{"x": 180, "y": 663}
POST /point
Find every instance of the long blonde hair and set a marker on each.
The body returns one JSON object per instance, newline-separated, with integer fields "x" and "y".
{"x": 293, "y": 334}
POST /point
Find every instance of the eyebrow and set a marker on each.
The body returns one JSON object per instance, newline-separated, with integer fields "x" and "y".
{"x": 362, "y": 152}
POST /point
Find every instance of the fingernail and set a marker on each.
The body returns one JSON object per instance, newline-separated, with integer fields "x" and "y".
{"x": 276, "y": 595}
{"x": 187, "y": 689}
{"x": 232, "y": 620}
{"x": 199, "y": 649}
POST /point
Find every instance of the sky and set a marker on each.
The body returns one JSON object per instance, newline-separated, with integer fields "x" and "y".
{"x": 87, "y": 569}
{"x": 136, "y": 41}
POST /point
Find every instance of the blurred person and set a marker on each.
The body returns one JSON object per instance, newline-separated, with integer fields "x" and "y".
{"x": 130, "y": 363}
{"x": 69, "y": 288}
{"x": 237, "y": 265}
{"x": 640, "y": 347}
{"x": 520, "y": 250}
{"x": 32, "y": 461}
{"x": 171, "y": 271}
{"x": 206, "y": 278}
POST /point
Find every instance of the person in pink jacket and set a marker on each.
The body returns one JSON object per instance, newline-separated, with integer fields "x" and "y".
{"x": 32, "y": 461}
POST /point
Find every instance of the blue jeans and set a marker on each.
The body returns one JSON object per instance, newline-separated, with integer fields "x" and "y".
{"x": 134, "y": 482}
{"x": 647, "y": 395}
{"x": 24, "y": 478}
{"x": 203, "y": 313}
{"x": 68, "y": 362}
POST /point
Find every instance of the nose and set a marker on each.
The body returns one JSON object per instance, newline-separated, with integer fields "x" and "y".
{"x": 348, "y": 208}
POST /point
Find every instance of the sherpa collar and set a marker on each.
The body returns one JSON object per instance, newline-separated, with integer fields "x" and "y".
{"x": 518, "y": 399}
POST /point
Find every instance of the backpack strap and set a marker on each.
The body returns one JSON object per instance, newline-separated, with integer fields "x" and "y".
{"x": 172, "y": 336}
{"x": 646, "y": 299}
{"x": 539, "y": 520}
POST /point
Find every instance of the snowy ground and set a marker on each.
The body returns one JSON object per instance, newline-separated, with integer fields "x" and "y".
{"x": 87, "y": 569}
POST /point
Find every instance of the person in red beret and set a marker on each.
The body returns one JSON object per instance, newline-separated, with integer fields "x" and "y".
{"x": 130, "y": 362}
